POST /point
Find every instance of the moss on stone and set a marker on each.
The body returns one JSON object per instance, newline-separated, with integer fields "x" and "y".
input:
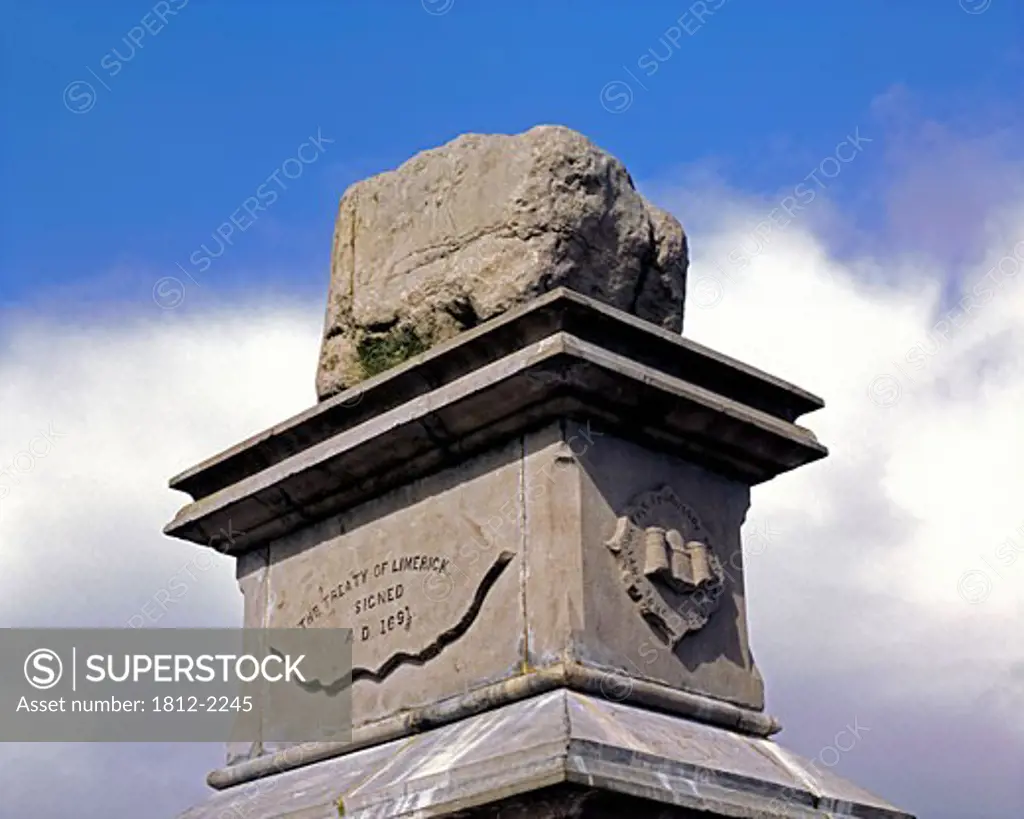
{"x": 378, "y": 353}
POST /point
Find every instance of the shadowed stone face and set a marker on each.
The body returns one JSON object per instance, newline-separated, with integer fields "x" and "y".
{"x": 464, "y": 232}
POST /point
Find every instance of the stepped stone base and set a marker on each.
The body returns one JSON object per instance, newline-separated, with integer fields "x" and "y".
{"x": 560, "y": 754}
{"x": 533, "y": 531}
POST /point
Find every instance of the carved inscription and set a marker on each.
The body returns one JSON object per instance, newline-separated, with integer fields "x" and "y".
{"x": 668, "y": 565}
{"x": 428, "y": 652}
{"x": 375, "y": 599}
{"x": 424, "y": 579}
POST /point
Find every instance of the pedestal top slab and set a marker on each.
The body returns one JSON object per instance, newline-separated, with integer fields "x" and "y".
{"x": 560, "y": 310}
{"x": 562, "y": 356}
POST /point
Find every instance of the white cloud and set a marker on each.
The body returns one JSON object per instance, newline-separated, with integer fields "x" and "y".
{"x": 127, "y": 406}
{"x": 895, "y": 580}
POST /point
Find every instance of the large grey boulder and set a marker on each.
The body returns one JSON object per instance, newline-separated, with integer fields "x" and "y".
{"x": 464, "y": 232}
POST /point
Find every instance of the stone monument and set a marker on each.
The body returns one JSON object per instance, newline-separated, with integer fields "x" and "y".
{"x": 522, "y": 489}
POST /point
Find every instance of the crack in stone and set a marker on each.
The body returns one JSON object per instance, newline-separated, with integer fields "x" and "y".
{"x": 523, "y": 532}
{"x": 509, "y": 230}
{"x": 648, "y": 262}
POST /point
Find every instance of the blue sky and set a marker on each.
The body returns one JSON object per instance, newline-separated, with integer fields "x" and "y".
{"x": 187, "y": 122}
{"x": 128, "y": 141}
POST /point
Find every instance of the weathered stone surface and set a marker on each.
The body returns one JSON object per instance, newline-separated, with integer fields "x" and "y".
{"x": 461, "y": 233}
{"x": 426, "y": 578}
{"x": 251, "y": 571}
{"x": 581, "y": 483}
{"x": 501, "y": 566}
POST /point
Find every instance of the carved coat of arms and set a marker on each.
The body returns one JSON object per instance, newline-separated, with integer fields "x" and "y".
{"x": 668, "y": 564}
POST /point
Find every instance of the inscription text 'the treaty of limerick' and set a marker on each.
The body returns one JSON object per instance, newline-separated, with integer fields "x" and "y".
{"x": 369, "y": 590}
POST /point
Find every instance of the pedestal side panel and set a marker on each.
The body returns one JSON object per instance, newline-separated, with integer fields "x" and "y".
{"x": 427, "y": 577}
{"x": 663, "y": 571}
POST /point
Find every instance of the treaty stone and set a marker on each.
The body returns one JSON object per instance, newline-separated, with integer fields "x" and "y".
{"x": 462, "y": 233}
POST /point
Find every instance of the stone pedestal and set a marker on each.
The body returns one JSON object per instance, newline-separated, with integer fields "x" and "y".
{"x": 533, "y": 531}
